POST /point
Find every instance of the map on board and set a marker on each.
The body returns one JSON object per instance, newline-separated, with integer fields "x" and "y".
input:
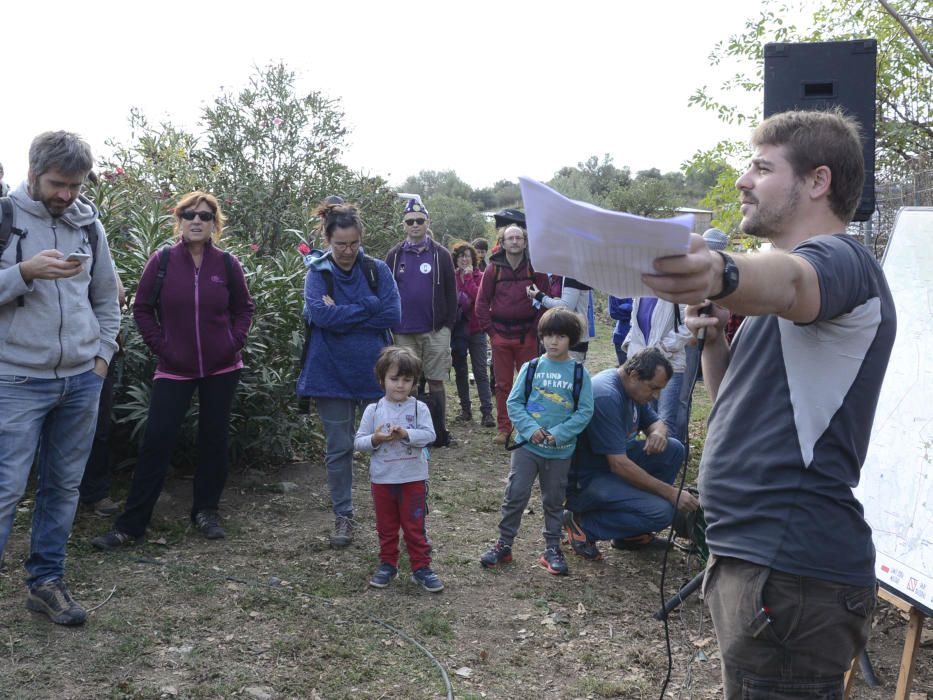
{"x": 896, "y": 486}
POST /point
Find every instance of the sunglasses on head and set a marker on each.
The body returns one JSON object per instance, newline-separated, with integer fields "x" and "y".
{"x": 202, "y": 215}
{"x": 414, "y": 222}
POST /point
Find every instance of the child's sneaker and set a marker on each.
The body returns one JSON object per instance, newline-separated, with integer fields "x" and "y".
{"x": 499, "y": 553}
{"x": 427, "y": 579}
{"x": 553, "y": 560}
{"x": 383, "y": 576}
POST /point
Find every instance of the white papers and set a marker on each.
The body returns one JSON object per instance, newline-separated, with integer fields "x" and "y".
{"x": 606, "y": 250}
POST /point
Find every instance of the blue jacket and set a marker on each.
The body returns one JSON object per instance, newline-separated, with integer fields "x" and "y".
{"x": 347, "y": 337}
{"x": 621, "y": 311}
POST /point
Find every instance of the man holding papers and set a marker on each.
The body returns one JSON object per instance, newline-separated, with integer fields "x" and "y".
{"x": 790, "y": 581}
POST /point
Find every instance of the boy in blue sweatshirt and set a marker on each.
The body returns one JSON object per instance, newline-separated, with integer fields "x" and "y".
{"x": 546, "y": 420}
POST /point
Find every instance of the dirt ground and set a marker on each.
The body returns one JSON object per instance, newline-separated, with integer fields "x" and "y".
{"x": 273, "y": 612}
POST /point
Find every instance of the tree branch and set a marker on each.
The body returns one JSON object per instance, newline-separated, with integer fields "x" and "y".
{"x": 910, "y": 32}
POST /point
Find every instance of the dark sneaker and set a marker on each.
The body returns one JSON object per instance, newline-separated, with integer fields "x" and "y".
{"x": 488, "y": 421}
{"x": 466, "y": 415}
{"x": 111, "y": 540}
{"x": 208, "y": 522}
{"x": 104, "y": 508}
{"x": 633, "y": 543}
{"x": 383, "y": 576}
{"x": 553, "y": 560}
{"x": 343, "y": 532}
{"x": 427, "y": 579}
{"x": 499, "y": 553}
{"x": 577, "y": 539}
{"x": 53, "y": 599}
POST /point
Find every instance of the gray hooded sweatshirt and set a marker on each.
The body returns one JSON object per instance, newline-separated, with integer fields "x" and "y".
{"x": 61, "y": 328}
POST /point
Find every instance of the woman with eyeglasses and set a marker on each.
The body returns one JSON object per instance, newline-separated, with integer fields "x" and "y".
{"x": 351, "y": 302}
{"x": 193, "y": 310}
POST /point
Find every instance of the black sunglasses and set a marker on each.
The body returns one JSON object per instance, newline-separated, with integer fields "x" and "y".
{"x": 414, "y": 222}
{"x": 202, "y": 215}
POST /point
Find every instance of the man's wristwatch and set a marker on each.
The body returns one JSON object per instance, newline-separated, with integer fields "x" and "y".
{"x": 730, "y": 277}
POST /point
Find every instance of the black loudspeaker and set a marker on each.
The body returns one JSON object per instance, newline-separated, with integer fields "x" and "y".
{"x": 828, "y": 74}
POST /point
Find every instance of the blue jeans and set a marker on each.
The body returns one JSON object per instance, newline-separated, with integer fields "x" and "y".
{"x": 609, "y": 507}
{"x": 476, "y": 346}
{"x": 58, "y": 416}
{"x": 338, "y": 417}
{"x": 95, "y": 484}
{"x": 672, "y": 410}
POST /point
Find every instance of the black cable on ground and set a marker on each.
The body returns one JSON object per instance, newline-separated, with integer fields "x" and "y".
{"x": 691, "y": 382}
{"x": 324, "y": 601}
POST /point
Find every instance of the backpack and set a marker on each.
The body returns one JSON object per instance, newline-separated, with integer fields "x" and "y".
{"x": 529, "y": 379}
{"x": 163, "y": 268}
{"x": 7, "y": 229}
{"x": 371, "y": 273}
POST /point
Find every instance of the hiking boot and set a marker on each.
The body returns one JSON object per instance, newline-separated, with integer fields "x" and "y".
{"x": 466, "y": 415}
{"x": 634, "y": 543}
{"x": 104, "y": 508}
{"x": 500, "y": 438}
{"x": 343, "y": 532}
{"x": 427, "y": 579}
{"x": 553, "y": 560}
{"x": 208, "y": 522}
{"x": 499, "y": 553}
{"x": 53, "y": 599}
{"x": 577, "y": 539}
{"x": 488, "y": 421}
{"x": 383, "y": 576}
{"x": 114, "y": 539}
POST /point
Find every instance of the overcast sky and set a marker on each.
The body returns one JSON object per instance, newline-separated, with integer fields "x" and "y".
{"x": 492, "y": 90}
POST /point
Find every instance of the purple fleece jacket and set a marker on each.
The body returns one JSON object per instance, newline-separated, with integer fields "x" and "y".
{"x": 203, "y": 327}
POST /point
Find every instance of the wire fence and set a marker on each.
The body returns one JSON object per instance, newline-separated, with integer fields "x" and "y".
{"x": 910, "y": 187}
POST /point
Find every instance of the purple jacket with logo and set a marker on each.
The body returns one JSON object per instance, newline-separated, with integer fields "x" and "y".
{"x": 203, "y": 327}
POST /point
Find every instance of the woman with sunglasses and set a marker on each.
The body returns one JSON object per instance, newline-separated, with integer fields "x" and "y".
{"x": 351, "y": 302}
{"x": 193, "y": 310}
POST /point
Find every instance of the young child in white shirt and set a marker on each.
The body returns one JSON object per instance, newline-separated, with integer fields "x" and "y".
{"x": 397, "y": 430}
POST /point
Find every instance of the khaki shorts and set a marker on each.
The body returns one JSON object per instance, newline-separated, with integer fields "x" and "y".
{"x": 434, "y": 350}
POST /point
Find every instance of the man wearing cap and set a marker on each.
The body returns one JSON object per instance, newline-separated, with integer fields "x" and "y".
{"x": 424, "y": 273}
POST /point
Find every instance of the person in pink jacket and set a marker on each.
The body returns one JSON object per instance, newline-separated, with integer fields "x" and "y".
{"x": 196, "y": 324}
{"x": 468, "y": 337}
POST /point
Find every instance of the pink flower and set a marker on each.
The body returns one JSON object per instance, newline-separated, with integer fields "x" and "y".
{"x": 119, "y": 171}
{"x": 277, "y": 121}
{"x": 253, "y": 247}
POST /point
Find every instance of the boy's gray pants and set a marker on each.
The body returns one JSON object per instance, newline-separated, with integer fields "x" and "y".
{"x": 552, "y": 476}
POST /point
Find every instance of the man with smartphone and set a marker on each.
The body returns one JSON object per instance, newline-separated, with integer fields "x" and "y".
{"x": 58, "y": 326}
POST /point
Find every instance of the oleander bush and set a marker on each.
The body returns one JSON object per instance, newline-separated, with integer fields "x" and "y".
{"x": 270, "y": 156}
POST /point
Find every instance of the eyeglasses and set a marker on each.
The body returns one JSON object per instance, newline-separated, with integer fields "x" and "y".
{"x": 414, "y": 222}
{"x": 202, "y": 215}
{"x": 340, "y": 245}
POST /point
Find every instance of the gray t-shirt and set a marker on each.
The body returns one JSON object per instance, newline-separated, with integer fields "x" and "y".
{"x": 790, "y": 427}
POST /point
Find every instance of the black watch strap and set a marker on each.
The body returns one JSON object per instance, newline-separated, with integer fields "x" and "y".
{"x": 730, "y": 276}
